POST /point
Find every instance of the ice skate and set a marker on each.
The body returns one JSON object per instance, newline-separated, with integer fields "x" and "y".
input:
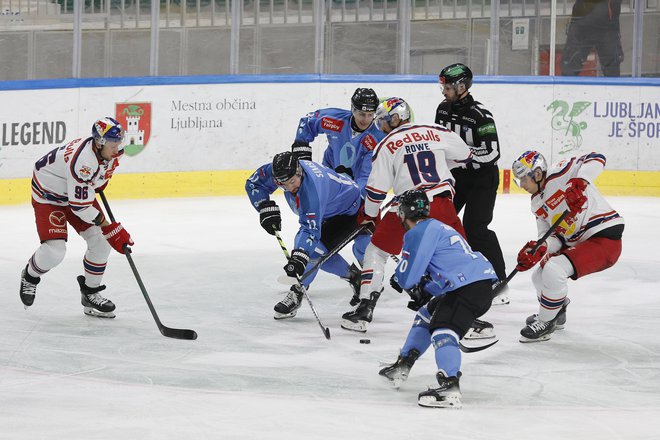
{"x": 537, "y": 331}
{"x": 94, "y": 304}
{"x": 480, "y": 330}
{"x": 397, "y": 373}
{"x": 502, "y": 296}
{"x": 560, "y": 320}
{"x": 28, "y": 288}
{"x": 358, "y": 318}
{"x": 354, "y": 279}
{"x": 288, "y": 307}
{"x": 447, "y": 395}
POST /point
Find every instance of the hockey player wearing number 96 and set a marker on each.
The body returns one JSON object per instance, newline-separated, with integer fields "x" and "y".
{"x": 64, "y": 185}
{"x": 588, "y": 240}
{"x": 450, "y": 286}
{"x": 326, "y": 204}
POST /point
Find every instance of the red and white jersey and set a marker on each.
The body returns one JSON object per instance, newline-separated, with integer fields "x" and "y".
{"x": 414, "y": 157}
{"x": 70, "y": 175}
{"x": 550, "y": 203}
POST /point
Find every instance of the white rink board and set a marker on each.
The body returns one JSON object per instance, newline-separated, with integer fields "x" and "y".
{"x": 259, "y": 119}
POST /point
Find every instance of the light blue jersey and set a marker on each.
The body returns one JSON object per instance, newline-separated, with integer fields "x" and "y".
{"x": 437, "y": 249}
{"x": 345, "y": 146}
{"x": 322, "y": 194}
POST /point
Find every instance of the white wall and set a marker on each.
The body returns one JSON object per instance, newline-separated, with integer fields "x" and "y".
{"x": 256, "y": 120}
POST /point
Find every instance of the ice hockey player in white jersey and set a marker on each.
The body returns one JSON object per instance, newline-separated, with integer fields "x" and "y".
{"x": 411, "y": 156}
{"x": 64, "y": 185}
{"x": 587, "y": 241}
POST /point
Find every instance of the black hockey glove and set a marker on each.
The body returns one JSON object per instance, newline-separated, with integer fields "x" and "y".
{"x": 301, "y": 150}
{"x": 297, "y": 263}
{"x": 395, "y": 284}
{"x": 418, "y": 295}
{"x": 269, "y": 216}
{"x": 341, "y": 169}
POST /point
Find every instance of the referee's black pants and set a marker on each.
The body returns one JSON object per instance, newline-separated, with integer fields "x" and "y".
{"x": 476, "y": 190}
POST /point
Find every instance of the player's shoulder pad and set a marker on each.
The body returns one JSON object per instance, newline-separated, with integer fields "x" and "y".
{"x": 477, "y": 111}
{"x": 84, "y": 164}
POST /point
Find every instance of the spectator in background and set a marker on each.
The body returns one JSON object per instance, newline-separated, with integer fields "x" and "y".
{"x": 594, "y": 24}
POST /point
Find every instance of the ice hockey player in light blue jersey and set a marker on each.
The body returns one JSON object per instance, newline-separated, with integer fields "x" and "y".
{"x": 450, "y": 286}
{"x": 351, "y": 134}
{"x": 326, "y": 204}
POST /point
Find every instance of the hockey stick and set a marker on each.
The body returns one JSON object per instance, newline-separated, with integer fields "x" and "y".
{"x": 168, "y": 332}
{"x": 475, "y": 348}
{"x": 497, "y": 289}
{"x": 289, "y": 281}
{"x": 326, "y": 330}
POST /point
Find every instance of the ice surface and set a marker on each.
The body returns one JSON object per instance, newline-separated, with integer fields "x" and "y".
{"x": 208, "y": 265}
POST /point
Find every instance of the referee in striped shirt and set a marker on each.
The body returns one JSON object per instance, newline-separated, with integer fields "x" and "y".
{"x": 476, "y": 182}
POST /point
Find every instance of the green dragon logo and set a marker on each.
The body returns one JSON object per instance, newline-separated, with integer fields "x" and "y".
{"x": 563, "y": 120}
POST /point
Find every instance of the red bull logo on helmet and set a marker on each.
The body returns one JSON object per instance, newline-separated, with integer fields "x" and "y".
{"x": 529, "y": 158}
{"x": 392, "y": 103}
{"x": 102, "y": 127}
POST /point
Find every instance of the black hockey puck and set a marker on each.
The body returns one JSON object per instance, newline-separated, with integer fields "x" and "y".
{"x": 365, "y": 341}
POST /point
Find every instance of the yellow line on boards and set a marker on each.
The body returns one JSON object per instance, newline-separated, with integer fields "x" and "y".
{"x": 232, "y": 182}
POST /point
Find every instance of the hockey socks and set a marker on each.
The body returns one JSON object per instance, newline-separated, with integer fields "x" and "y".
{"x": 336, "y": 265}
{"x": 447, "y": 353}
{"x": 419, "y": 337}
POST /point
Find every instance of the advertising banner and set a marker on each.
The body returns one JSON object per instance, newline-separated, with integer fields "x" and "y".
{"x": 210, "y": 127}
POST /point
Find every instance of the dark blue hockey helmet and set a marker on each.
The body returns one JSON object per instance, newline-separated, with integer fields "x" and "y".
{"x": 107, "y": 129}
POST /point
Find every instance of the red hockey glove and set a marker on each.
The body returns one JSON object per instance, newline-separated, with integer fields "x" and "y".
{"x": 117, "y": 236}
{"x": 526, "y": 260}
{"x": 575, "y": 198}
{"x": 364, "y": 219}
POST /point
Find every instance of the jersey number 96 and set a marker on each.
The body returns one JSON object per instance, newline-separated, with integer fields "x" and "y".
{"x": 82, "y": 192}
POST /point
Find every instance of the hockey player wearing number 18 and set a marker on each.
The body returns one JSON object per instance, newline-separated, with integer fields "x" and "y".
{"x": 437, "y": 264}
{"x": 64, "y": 185}
{"x": 326, "y": 204}
{"x": 588, "y": 240}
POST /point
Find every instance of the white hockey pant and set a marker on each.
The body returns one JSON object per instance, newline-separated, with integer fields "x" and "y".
{"x": 373, "y": 271}
{"x": 551, "y": 282}
{"x": 96, "y": 256}
{"x": 47, "y": 256}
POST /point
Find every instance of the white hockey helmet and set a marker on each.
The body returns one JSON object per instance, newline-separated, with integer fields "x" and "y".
{"x": 389, "y": 108}
{"x": 526, "y": 164}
